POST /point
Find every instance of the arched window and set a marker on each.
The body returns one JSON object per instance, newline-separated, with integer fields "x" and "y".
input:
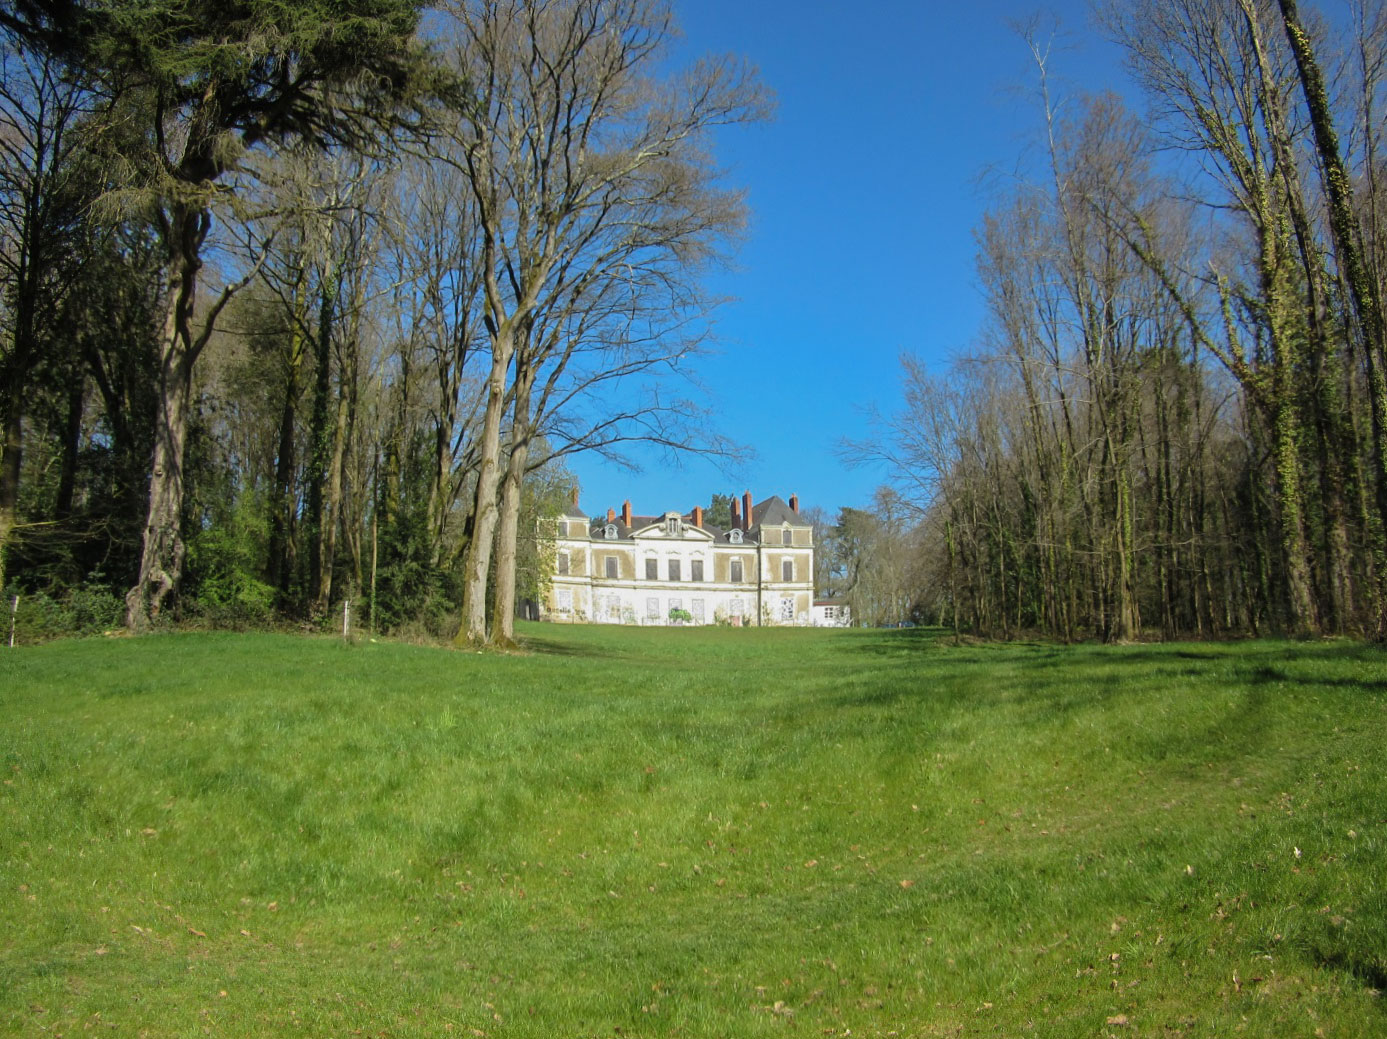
{"x": 610, "y": 532}
{"x": 735, "y": 537}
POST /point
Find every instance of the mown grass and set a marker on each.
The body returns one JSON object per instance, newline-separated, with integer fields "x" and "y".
{"x": 692, "y": 832}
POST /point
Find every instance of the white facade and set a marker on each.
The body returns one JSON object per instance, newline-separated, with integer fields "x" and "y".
{"x": 676, "y": 569}
{"x": 832, "y": 613}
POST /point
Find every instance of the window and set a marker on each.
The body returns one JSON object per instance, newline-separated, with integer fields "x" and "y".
{"x": 735, "y": 571}
{"x": 787, "y": 537}
{"x": 676, "y": 604}
{"x": 734, "y": 608}
{"x": 652, "y": 569}
{"x": 652, "y": 609}
{"x": 609, "y": 532}
{"x": 787, "y": 610}
{"x": 697, "y": 611}
{"x": 696, "y": 570}
{"x": 565, "y": 600}
{"x": 563, "y": 564}
{"x": 672, "y": 525}
{"x": 612, "y": 566}
{"x": 674, "y": 570}
{"x": 735, "y": 537}
{"x": 787, "y": 570}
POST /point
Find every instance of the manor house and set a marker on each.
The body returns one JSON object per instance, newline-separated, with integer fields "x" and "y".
{"x": 677, "y": 568}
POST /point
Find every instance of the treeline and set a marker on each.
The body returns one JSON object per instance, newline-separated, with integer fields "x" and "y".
{"x": 1176, "y": 422}
{"x": 309, "y": 302}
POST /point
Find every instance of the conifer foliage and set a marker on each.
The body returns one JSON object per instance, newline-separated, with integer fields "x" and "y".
{"x": 367, "y": 311}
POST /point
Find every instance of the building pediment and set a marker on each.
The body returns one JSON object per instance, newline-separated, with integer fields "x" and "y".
{"x": 658, "y": 531}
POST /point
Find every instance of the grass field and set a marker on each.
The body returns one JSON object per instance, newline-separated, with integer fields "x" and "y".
{"x": 628, "y": 832}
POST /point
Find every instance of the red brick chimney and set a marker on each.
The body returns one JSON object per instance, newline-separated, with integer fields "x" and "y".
{"x": 746, "y": 510}
{"x": 575, "y": 497}
{"x": 794, "y": 503}
{"x": 611, "y": 515}
{"x": 736, "y": 518}
{"x": 626, "y": 512}
{"x": 698, "y": 516}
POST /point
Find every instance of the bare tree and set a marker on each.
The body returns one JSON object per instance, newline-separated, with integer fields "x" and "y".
{"x": 1363, "y": 290}
{"x": 1214, "y": 67}
{"x": 586, "y": 171}
{"x": 433, "y": 249}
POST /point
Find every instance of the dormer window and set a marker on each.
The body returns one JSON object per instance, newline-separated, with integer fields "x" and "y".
{"x": 609, "y": 532}
{"x": 735, "y": 537}
{"x": 672, "y": 525}
{"x": 786, "y": 537}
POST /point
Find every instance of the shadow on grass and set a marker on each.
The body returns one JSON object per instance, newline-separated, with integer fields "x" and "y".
{"x": 1199, "y": 703}
{"x": 1267, "y": 675}
{"x": 1365, "y": 966}
{"x": 899, "y": 638}
{"x": 558, "y": 648}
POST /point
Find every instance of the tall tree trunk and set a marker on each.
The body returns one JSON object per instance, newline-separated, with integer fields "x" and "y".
{"x": 477, "y": 561}
{"x": 1287, "y": 424}
{"x": 1321, "y": 403}
{"x": 331, "y": 511}
{"x": 1283, "y": 319}
{"x": 1302, "y": 620}
{"x": 72, "y": 445}
{"x": 953, "y": 574}
{"x": 161, "y": 559}
{"x": 441, "y": 478}
{"x": 352, "y": 507}
{"x": 282, "y": 496}
{"x": 1344, "y": 225}
{"x": 508, "y": 528}
{"x": 320, "y": 436}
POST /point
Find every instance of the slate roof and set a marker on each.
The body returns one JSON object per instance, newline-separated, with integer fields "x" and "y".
{"x": 598, "y": 525}
{"x": 773, "y": 511}
{"x": 623, "y": 532}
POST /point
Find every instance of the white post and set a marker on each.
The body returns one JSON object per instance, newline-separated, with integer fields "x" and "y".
{"x": 14, "y": 612}
{"x": 346, "y": 618}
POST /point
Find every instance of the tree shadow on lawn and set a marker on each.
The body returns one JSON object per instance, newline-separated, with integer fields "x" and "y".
{"x": 1252, "y": 661}
{"x": 542, "y": 646}
{"x": 1212, "y": 703}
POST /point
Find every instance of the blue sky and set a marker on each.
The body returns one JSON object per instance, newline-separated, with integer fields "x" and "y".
{"x": 864, "y": 193}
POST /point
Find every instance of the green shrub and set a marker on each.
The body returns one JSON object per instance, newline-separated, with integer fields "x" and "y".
{"x": 86, "y": 609}
{"x": 223, "y": 586}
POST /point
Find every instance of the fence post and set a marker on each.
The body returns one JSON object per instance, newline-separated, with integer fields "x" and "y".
{"x": 14, "y": 612}
{"x": 346, "y": 619}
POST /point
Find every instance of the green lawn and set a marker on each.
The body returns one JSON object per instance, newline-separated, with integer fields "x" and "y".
{"x": 692, "y": 832}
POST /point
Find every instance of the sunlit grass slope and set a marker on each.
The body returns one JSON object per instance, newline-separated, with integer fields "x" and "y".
{"x": 692, "y": 832}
